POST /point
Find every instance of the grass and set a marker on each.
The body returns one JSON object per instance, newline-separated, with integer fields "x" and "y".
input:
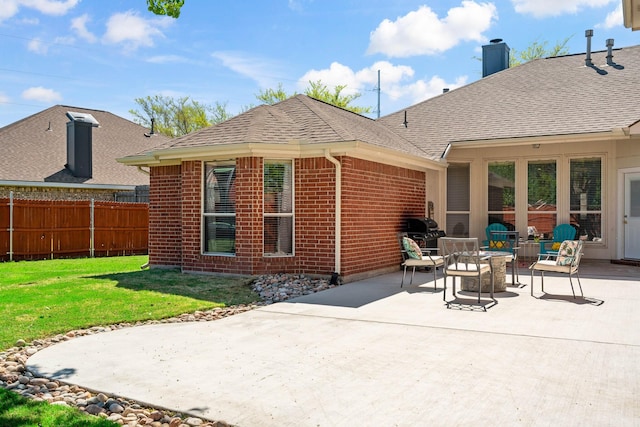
{"x": 39, "y": 299}
{"x": 17, "y": 411}
{"x": 44, "y": 298}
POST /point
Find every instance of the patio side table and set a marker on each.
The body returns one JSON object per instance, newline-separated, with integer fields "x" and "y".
{"x": 499, "y": 266}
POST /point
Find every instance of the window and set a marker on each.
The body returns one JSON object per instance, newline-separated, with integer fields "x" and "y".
{"x": 541, "y": 197}
{"x": 219, "y": 214}
{"x": 501, "y": 194}
{"x": 458, "y": 202}
{"x": 278, "y": 208}
{"x": 585, "y": 208}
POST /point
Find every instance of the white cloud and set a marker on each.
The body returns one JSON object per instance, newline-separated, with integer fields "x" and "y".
{"x": 613, "y": 19}
{"x": 79, "y": 25}
{"x": 4, "y": 99}
{"x": 543, "y": 8}
{"x": 420, "y": 90}
{"x": 357, "y": 81}
{"x": 41, "y": 94}
{"x": 422, "y": 32}
{"x": 9, "y": 8}
{"x": 132, "y": 31}
{"x": 37, "y": 46}
{"x": 395, "y": 81}
{"x": 260, "y": 70}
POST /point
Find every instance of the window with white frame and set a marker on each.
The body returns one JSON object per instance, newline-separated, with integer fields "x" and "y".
{"x": 501, "y": 194}
{"x": 219, "y": 209}
{"x": 278, "y": 207}
{"x": 585, "y": 189}
{"x": 458, "y": 199}
{"x": 542, "y": 209}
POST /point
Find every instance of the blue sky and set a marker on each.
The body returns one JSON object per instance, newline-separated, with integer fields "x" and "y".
{"x": 103, "y": 54}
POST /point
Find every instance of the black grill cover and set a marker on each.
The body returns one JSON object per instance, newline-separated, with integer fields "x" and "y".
{"x": 421, "y": 225}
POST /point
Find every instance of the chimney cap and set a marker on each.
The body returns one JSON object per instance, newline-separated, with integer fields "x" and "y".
{"x": 75, "y": 116}
{"x": 495, "y": 41}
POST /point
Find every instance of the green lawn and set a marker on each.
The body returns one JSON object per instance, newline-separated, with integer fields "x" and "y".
{"x": 39, "y": 299}
{"x": 44, "y": 298}
{"x": 16, "y": 410}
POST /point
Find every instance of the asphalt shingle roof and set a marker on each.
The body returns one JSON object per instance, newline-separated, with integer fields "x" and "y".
{"x": 31, "y": 152}
{"x": 543, "y": 97}
{"x": 297, "y": 119}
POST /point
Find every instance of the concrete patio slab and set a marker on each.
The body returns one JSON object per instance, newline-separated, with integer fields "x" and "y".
{"x": 370, "y": 353}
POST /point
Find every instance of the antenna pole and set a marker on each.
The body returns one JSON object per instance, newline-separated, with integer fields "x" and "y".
{"x": 378, "y": 93}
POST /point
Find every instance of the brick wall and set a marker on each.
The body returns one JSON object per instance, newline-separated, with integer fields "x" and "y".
{"x": 165, "y": 228}
{"x": 376, "y": 200}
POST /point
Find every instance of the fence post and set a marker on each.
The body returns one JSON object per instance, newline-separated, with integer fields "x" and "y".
{"x": 91, "y": 239}
{"x": 11, "y": 226}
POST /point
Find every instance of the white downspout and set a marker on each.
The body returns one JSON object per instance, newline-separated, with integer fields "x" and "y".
{"x": 338, "y": 212}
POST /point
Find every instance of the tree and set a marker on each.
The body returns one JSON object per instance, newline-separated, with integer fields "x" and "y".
{"x": 177, "y": 116}
{"x": 538, "y": 50}
{"x": 319, "y": 91}
{"x": 272, "y": 96}
{"x": 165, "y": 7}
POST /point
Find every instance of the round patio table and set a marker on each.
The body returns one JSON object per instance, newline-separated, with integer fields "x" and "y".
{"x": 498, "y": 261}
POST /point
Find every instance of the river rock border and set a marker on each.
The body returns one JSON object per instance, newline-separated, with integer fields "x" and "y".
{"x": 16, "y": 377}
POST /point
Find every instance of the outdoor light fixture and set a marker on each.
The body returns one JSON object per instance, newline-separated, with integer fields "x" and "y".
{"x": 535, "y": 145}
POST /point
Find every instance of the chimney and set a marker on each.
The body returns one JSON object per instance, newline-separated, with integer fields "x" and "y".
{"x": 79, "y": 143}
{"x": 610, "y": 52}
{"x": 495, "y": 57}
{"x": 587, "y": 61}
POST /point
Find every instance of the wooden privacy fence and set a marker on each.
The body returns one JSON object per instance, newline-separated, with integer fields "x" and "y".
{"x": 40, "y": 229}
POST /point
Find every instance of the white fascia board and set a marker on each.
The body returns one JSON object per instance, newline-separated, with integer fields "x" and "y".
{"x": 554, "y": 139}
{"x": 290, "y": 150}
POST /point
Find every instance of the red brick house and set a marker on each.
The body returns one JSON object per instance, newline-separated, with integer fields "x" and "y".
{"x": 302, "y": 186}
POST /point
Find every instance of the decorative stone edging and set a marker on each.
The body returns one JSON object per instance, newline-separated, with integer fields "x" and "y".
{"x": 16, "y": 377}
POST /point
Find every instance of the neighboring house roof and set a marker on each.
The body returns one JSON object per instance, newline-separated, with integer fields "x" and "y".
{"x": 299, "y": 119}
{"x": 544, "y": 97}
{"x": 34, "y": 149}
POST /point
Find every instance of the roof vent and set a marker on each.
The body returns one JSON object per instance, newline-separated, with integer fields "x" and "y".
{"x": 587, "y": 61}
{"x": 610, "y": 52}
{"x": 495, "y": 57}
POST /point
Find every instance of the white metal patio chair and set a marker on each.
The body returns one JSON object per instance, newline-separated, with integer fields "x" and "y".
{"x": 566, "y": 260}
{"x": 462, "y": 259}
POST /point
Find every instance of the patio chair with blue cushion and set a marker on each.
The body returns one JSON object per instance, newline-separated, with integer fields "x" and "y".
{"x": 561, "y": 233}
{"x": 462, "y": 259}
{"x": 566, "y": 261}
{"x": 414, "y": 256}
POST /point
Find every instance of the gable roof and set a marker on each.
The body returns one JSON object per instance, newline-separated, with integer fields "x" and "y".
{"x": 299, "y": 119}
{"x": 34, "y": 149}
{"x": 544, "y": 97}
